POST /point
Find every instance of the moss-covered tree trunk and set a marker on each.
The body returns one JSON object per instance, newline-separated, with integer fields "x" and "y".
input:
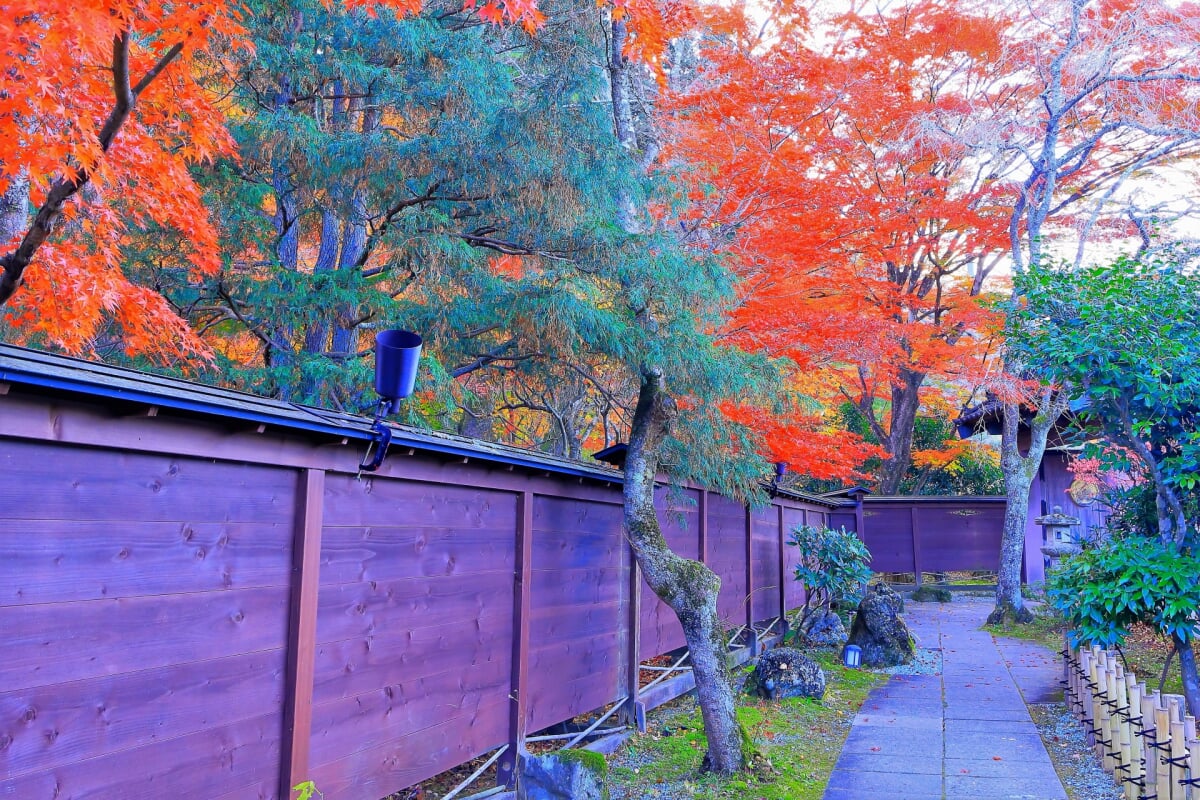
{"x": 688, "y": 587}
{"x": 1019, "y": 471}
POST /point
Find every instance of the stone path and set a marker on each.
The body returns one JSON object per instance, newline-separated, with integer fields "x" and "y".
{"x": 963, "y": 735}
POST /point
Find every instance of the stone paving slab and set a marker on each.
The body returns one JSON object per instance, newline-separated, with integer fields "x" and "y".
{"x": 963, "y": 735}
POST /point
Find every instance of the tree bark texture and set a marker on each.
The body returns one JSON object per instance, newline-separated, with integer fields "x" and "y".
{"x": 1019, "y": 472}
{"x": 1191, "y": 680}
{"x": 688, "y": 587}
{"x": 906, "y": 401}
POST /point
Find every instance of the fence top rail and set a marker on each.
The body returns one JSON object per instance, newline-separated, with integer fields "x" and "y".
{"x": 959, "y": 500}
{"x": 52, "y": 374}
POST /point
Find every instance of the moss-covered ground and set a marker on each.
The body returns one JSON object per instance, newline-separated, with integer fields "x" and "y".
{"x": 800, "y": 739}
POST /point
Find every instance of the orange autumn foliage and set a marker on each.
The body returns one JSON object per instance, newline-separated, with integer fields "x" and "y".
{"x": 58, "y": 59}
{"x": 862, "y": 244}
{"x": 101, "y": 117}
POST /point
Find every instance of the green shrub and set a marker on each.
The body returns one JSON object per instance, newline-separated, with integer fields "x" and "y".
{"x": 1105, "y": 589}
{"x": 833, "y": 566}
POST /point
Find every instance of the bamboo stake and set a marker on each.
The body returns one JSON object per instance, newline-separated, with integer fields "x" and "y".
{"x": 1162, "y": 723}
{"x": 1150, "y": 702}
{"x": 1096, "y": 682}
{"x": 1137, "y": 749}
{"x": 1124, "y": 731}
{"x": 1112, "y": 735}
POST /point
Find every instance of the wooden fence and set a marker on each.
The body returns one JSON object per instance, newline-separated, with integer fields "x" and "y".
{"x": 1146, "y": 741}
{"x": 201, "y": 597}
{"x": 921, "y": 535}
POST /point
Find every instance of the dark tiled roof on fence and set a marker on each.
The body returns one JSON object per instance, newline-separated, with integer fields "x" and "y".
{"x": 20, "y": 366}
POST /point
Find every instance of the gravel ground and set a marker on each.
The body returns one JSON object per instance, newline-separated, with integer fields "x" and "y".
{"x": 925, "y": 662}
{"x": 1075, "y": 762}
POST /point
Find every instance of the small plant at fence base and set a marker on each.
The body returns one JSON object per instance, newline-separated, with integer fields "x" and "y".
{"x": 833, "y": 566}
{"x": 1128, "y": 579}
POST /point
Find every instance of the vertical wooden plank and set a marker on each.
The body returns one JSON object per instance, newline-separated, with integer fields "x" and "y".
{"x": 750, "y": 580}
{"x": 506, "y": 768}
{"x": 916, "y": 543}
{"x": 783, "y": 624}
{"x": 703, "y": 526}
{"x": 302, "y": 629}
{"x": 634, "y": 711}
{"x": 859, "y": 517}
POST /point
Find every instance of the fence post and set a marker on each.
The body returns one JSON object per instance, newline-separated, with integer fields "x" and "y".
{"x": 302, "y": 630}
{"x": 634, "y": 712}
{"x": 1193, "y": 748}
{"x": 916, "y": 544}
{"x": 1150, "y": 726}
{"x": 750, "y": 581}
{"x": 703, "y": 527}
{"x": 506, "y": 768}
{"x": 783, "y": 621}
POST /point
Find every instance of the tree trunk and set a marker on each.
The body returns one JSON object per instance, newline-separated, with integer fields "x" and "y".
{"x": 1191, "y": 681}
{"x": 906, "y": 400}
{"x": 14, "y": 208}
{"x": 1018, "y": 478}
{"x": 1010, "y": 604}
{"x": 688, "y": 587}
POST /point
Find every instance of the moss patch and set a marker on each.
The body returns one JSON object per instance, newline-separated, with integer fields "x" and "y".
{"x": 932, "y": 594}
{"x": 799, "y": 740}
{"x": 1046, "y": 629}
{"x": 593, "y": 761}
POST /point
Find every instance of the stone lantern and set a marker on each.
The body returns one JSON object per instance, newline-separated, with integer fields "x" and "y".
{"x": 1056, "y": 533}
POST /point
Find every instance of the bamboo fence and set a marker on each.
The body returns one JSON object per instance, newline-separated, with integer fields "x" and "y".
{"x": 1146, "y": 740}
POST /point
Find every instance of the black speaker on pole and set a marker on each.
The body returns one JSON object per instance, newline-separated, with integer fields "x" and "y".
{"x": 397, "y": 356}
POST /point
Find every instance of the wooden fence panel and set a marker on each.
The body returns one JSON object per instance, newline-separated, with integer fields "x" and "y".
{"x": 414, "y": 631}
{"x": 888, "y": 534}
{"x": 793, "y": 589}
{"x": 576, "y": 663}
{"x": 727, "y": 556}
{"x": 764, "y": 562}
{"x": 143, "y": 617}
{"x": 960, "y": 537}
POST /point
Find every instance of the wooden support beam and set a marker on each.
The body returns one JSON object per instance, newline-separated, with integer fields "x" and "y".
{"x": 916, "y": 545}
{"x": 750, "y": 580}
{"x": 302, "y": 630}
{"x": 506, "y": 768}
{"x": 634, "y": 712}
{"x": 703, "y": 527}
{"x": 783, "y": 622}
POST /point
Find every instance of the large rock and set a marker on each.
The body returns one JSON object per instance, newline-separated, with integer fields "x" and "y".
{"x": 565, "y": 775}
{"x": 784, "y": 672}
{"x": 823, "y": 628}
{"x": 879, "y": 630}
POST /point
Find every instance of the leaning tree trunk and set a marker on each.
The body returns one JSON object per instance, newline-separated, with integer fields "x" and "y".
{"x": 688, "y": 587}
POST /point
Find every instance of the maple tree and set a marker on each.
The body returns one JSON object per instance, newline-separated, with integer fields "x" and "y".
{"x": 863, "y": 247}
{"x": 103, "y": 117}
{"x": 1100, "y": 96}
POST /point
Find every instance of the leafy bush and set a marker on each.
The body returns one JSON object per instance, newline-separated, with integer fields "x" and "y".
{"x": 833, "y": 566}
{"x": 1126, "y": 579}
